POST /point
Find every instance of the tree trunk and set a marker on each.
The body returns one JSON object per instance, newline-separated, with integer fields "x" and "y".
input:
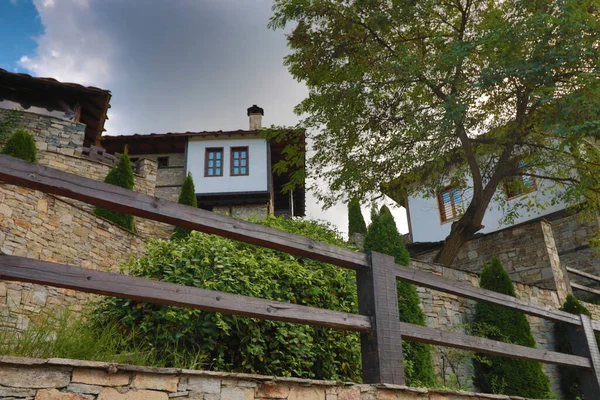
{"x": 459, "y": 235}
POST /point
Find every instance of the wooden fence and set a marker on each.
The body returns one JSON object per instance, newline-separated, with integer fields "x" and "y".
{"x": 584, "y": 288}
{"x": 99, "y": 154}
{"x": 378, "y": 322}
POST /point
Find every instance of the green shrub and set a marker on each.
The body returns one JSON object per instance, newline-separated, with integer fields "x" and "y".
{"x": 356, "y": 221}
{"x": 383, "y": 237}
{"x": 238, "y": 344}
{"x": 21, "y": 145}
{"x": 187, "y": 197}
{"x": 569, "y": 376}
{"x": 120, "y": 175}
{"x": 495, "y": 374}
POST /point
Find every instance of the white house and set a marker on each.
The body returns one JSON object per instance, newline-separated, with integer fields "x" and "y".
{"x": 430, "y": 218}
{"x": 232, "y": 171}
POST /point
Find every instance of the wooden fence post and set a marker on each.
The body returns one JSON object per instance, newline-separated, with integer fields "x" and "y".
{"x": 583, "y": 343}
{"x": 381, "y": 348}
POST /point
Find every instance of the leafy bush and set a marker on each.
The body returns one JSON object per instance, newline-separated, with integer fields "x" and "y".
{"x": 569, "y": 376}
{"x": 10, "y": 121}
{"x": 21, "y": 145}
{"x": 383, "y": 237}
{"x": 120, "y": 175}
{"x": 232, "y": 343}
{"x": 187, "y": 197}
{"x": 495, "y": 374}
{"x": 356, "y": 221}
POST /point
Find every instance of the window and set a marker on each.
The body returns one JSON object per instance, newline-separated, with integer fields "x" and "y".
{"x": 239, "y": 161}
{"x": 213, "y": 162}
{"x": 450, "y": 203}
{"x": 163, "y": 162}
{"x": 519, "y": 185}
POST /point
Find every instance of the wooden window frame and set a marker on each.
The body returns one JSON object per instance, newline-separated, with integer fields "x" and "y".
{"x": 159, "y": 159}
{"x": 231, "y": 159}
{"x": 532, "y": 189}
{"x": 442, "y": 209}
{"x": 209, "y": 150}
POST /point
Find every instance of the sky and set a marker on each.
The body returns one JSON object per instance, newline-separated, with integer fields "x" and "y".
{"x": 172, "y": 66}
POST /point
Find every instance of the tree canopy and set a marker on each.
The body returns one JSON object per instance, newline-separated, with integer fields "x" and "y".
{"x": 401, "y": 90}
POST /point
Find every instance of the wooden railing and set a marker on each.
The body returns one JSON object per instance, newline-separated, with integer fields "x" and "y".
{"x": 584, "y": 288}
{"x": 378, "y": 321}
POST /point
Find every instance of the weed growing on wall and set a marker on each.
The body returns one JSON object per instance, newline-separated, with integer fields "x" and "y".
{"x": 232, "y": 343}
{"x": 495, "y": 374}
{"x": 21, "y": 145}
{"x": 120, "y": 175}
{"x": 383, "y": 237}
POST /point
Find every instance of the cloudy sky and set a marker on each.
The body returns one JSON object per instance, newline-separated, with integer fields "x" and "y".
{"x": 179, "y": 65}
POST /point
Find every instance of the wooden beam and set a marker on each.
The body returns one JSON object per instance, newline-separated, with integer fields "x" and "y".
{"x": 381, "y": 348}
{"x": 115, "y": 198}
{"x": 584, "y": 274}
{"x": 583, "y": 343}
{"x": 463, "y": 289}
{"x": 129, "y": 287}
{"x": 433, "y": 336}
{"x": 585, "y": 289}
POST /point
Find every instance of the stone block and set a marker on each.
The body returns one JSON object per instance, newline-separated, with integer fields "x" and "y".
{"x": 352, "y": 393}
{"x": 84, "y": 389}
{"x": 237, "y": 393}
{"x": 204, "y": 385}
{"x": 166, "y": 383}
{"x": 53, "y": 394}
{"x": 113, "y": 394}
{"x": 272, "y": 391}
{"x": 97, "y": 377}
{"x": 8, "y": 392}
{"x": 34, "y": 377}
{"x": 306, "y": 393}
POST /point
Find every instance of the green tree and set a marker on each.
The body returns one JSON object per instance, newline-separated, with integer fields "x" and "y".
{"x": 399, "y": 91}
{"x": 495, "y": 374}
{"x": 383, "y": 237}
{"x": 238, "y": 344}
{"x": 119, "y": 175}
{"x": 569, "y": 376}
{"x": 356, "y": 221}
{"x": 187, "y": 196}
{"x": 21, "y": 145}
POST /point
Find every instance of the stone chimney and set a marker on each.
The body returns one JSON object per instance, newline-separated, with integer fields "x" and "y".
{"x": 255, "y": 113}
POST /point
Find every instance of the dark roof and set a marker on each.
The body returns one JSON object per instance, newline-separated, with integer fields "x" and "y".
{"x": 94, "y": 101}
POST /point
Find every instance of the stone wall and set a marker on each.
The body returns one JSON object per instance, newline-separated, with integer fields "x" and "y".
{"x": 60, "y": 379}
{"x": 51, "y": 133}
{"x": 452, "y": 313}
{"x": 259, "y": 211}
{"x": 527, "y": 251}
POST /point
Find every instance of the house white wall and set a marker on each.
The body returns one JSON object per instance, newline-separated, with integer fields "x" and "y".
{"x": 426, "y": 225}
{"x": 255, "y": 181}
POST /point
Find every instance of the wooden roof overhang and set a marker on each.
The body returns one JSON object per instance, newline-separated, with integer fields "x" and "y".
{"x": 28, "y": 90}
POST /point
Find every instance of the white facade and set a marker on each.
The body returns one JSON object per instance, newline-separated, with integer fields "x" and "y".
{"x": 426, "y": 224}
{"x": 258, "y": 163}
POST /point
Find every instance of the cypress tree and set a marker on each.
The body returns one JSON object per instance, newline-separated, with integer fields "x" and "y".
{"x": 187, "y": 196}
{"x": 120, "y": 175}
{"x": 495, "y": 374}
{"x": 21, "y": 145}
{"x": 356, "y": 222}
{"x": 569, "y": 376}
{"x": 383, "y": 237}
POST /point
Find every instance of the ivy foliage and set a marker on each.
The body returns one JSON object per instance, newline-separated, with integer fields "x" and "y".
{"x": 495, "y": 374}
{"x": 569, "y": 376}
{"x": 238, "y": 344}
{"x": 21, "y": 145}
{"x": 356, "y": 221}
{"x": 187, "y": 196}
{"x": 119, "y": 175}
{"x": 383, "y": 237}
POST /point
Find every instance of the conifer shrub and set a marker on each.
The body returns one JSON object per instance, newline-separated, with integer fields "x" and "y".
{"x": 500, "y": 375}
{"x": 21, "y": 145}
{"x": 187, "y": 196}
{"x": 383, "y": 237}
{"x": 238, "y": 344}
{"x": 569, "y": 376}
{"x": 356, "y": 221}
{"x": 120, "y": 175}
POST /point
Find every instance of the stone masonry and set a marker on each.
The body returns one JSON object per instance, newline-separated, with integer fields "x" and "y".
{"x": 61, "y": 379}
{"x": 168, "y": 178}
